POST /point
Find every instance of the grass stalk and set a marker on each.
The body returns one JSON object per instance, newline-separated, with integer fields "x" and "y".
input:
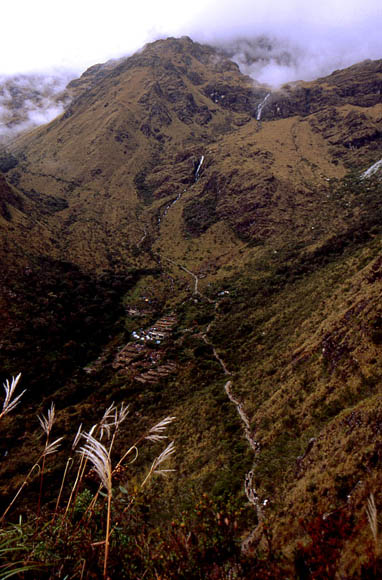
{"x": 76, "y": 485}
{"x": 70, "y": 460}
{"x": 108, "y": 520}
{"x": 41, "y": 484}
{"x": 48, "y": 450}
{"x": 372, "y": 516}
{"x": 99, "y": 456}
{"x": 24, "y": 483}
{"x": 47, "y": 425}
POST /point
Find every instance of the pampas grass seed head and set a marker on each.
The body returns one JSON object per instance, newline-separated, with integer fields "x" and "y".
{"x": 9, "y": 388}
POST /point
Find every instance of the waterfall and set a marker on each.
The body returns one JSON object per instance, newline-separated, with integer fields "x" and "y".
{"x": 198, "y": 168}
{"x": 373, "y": 169}
{"x": 261, "y": 106}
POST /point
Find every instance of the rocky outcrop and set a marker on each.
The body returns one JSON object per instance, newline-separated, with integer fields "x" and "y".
{"x": 359, "y": 85}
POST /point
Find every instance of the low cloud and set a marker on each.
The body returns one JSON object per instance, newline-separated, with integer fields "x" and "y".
{"x": 27, "y": 101}
{"x": 273, "y": 41}
{"x": 276, "y": 41}
{"x": 318, "y": 35}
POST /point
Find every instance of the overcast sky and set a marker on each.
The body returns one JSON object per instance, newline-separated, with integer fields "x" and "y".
{"x": 41, "y": 35}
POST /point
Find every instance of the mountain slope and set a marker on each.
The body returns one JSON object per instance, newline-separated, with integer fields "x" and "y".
{"x": 176, "y": 199}
{"x": 134, "y": 136}
{"x": 144, "y": 113}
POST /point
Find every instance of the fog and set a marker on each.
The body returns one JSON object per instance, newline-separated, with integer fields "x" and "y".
{"x": 276, "y": 41}
{"x": 27, "y": 101}
{"x": 318, "y": 35}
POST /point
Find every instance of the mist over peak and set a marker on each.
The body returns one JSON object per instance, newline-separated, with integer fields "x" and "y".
{"x": 278, "y": 42}
{"x": 268, "y": 61}
{"x": 318, "y": 36}
{"x": 30, "y": 100}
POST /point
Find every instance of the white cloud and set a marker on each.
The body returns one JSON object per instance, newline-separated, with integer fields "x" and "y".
{"x": 44, "y": 34}
{"x": 29, "y": 100}
{"x": 319, "y": 35}
{"x": 324, "y": 34}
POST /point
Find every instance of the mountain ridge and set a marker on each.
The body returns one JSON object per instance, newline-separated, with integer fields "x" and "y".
{"x": 173, "y": 188}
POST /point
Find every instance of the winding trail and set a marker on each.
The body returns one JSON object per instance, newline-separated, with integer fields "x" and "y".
{"x": 196, "y": 279}
{"x": 249, "y": 487}
{"x": 255, "y": 446}
{"x": 216, "y": 354}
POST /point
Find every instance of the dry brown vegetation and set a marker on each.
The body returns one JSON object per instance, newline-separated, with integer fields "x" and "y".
{"x": 273, "y": 253}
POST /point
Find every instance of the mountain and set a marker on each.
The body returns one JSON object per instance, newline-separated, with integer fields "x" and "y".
{"x": 208, "y": 248}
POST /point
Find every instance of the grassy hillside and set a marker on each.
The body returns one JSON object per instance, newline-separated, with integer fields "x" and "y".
{"x": 193, "y": 260}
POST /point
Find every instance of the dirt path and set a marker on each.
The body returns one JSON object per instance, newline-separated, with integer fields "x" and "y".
{"x": 249, "y": 488}
{"x": 196, "y": 279}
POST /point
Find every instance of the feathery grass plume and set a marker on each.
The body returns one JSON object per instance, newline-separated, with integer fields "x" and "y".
{"x": 107, "y": 421}
{"x": 92, "y": 429}
{"x": 372, "y": 516}
{"x": 77, "y": 437}
{"x": 113, "y": 417}
{"x": 121, "y": 414}
{"x": 166, "y": 453}
{"x": 106, "y": 425}
{"x": 155, "y": 433}
{"x": 47, "y": 422}
{"x": 99, "y": 456}
{"x": 52, "y": 447}
{"x": 9, "y": 388}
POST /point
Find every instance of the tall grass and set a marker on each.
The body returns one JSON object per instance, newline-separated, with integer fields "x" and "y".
{"x": 372, "y": 517}
{"x": 10, "y": 387}
{"x": 94, "y": 456}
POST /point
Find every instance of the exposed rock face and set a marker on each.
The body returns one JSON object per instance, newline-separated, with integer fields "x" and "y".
{"x": 359, "y": 85}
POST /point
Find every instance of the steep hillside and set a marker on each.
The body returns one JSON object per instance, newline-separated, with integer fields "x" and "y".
{"x": 20, "y": 221}
{"x": 202, "y": 247}
{"x": 135, "y": 132}
{"x": 138, "y": 132}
